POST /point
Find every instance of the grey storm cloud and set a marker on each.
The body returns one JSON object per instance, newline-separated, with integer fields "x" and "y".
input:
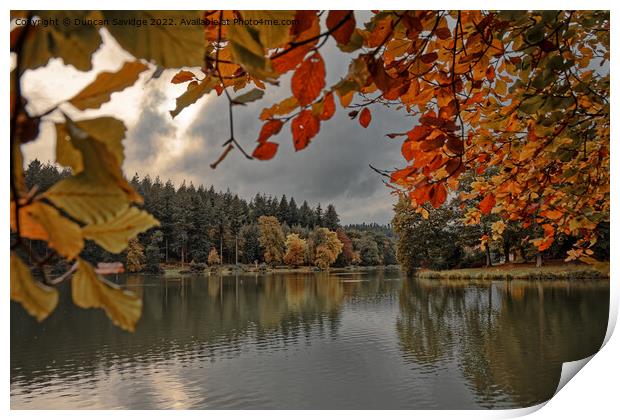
{"x": 142, "y": 139}
{"x": 334, "y": 168}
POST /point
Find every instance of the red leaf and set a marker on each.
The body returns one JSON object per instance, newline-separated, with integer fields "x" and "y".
{"x": 270, "y": 128}
{"x": 343, "y": 34}
{"x": 308, "y": 79}
{"x": 438, "y": 195}
{"x": 429, "y": 58}
{"x": 304, "y": 127}
{"x": 329, "y": 107}
{"x": 265, "y": 151}
{"x": 437, "y": 142}
{"x": 487, "y": 204}
{"x": 443, "y": 33}
{"x": 305, "y": 19}
{"x": 365, "y": 117}
{"x": 455, "y": 145}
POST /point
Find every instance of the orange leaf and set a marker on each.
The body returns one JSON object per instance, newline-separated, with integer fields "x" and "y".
{"x": 343, "y": 34}
{"x": 291, "y": 59}
{"x": 265, "y": 151}
{"x": 418, "y": 133}
{"x": 490, "y": 73}
{"x": 329, "y": 107}
{"x": 382, "y": 30}
{"x": 270, "y": 128}
{"x": 308, "y": 79}
{"x": 365, "y": 117}
{"x": 183, "y": 76}
{"x": 304, "y": 127}
{"x": 487, "y": 204}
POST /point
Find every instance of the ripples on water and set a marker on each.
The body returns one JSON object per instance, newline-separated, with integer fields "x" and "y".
{"x": 349, "y": 340}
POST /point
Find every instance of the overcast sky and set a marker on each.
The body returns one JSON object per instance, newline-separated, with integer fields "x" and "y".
{"x": 333, "y": 169}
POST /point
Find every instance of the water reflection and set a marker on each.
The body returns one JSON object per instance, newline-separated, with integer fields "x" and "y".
{"x": 339, "y": 340}
{"x": 508, "y": 339}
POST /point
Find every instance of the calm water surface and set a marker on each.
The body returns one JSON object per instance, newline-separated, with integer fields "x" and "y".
{"x": 322, "y": 341}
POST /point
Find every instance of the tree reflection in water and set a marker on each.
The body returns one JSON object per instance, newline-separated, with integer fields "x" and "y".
{"x": 509, "y": 339}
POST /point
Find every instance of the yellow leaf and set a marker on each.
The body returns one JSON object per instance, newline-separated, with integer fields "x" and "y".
{"x": 86, "y": 200}
{"x": 193, "y": 93}
{"x": 66, "y": 153}
{"x": 100, "y": 191}
{"x": 106, "y": 83}
{"x": 114, "y": 234}
{"x": 91, "y": 291}
{"x": 106, "y": 130}
{"x": 37, "y": 299}
{"x": 62, "y": 234}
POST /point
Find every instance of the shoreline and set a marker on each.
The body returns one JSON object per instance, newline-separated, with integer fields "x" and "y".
{"x": 520, "y": 272}
{"x": 176, "y": 270}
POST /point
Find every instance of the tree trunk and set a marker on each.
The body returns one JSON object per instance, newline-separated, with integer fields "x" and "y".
{"x": 221, "y": 248}
{"x": 236, "y": 251}
{"x": 166, "y": 250}
{"x": 506, "y": 251}
{"x": 539, "y": 260}
{"x": 488, "y": 255}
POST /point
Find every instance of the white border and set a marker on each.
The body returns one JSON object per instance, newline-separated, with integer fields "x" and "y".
{"x": 592, "y": 394}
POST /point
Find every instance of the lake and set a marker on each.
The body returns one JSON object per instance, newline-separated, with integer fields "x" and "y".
{"x": 369, "y": 340}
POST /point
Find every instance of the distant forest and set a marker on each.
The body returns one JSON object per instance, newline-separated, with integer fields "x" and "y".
{"x": 196, "y": 220}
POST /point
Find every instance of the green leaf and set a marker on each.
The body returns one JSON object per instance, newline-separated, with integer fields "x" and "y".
{"x": 88, "y": 290}
{"x": 114, "y": 234}
{"x": 170, "y": 46}
{"x": 37, "y": 299}
{"x": 251, "y": 96}
{"x": 106, "y": 83}
{"x": 193, "y": 93}
{"x": 249, "y": 52}
{"x": 270, "y": 36}
{"x": 74, "y": 44}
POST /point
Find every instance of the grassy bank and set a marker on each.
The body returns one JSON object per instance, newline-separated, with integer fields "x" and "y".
{"x": 176, "y": 270}
{"x": 522, "y": 272}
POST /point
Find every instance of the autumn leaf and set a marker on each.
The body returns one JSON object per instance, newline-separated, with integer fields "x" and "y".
{"x": 437, "y": 195}
{"x": 183, "y": 76}
{"x": 487, "y": 204}
{"x": 329, "y": 107}
{"x": 106, "y": 83}
{"x": 193, "y": 93}
{"x": 270, "y": 128}
{"x": 42, "y": 221}
{"x": 265, "y": 150}
{"x": 309, "y": 79}
{"x": 343, "y": 33}
{"x": 365, "y": 117}
{"x": 37, "y": 299}
{"x": 182, "y": 46}
{"x": 288, "y": 61}
{"x": 381, "y": 31}
{"x": 270, "y": 36}
{"x": 88, "y": 290}
{"x": 304, "y": 127}
{"x": 251, "y": 96}
{"x": 115, "y": 233}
